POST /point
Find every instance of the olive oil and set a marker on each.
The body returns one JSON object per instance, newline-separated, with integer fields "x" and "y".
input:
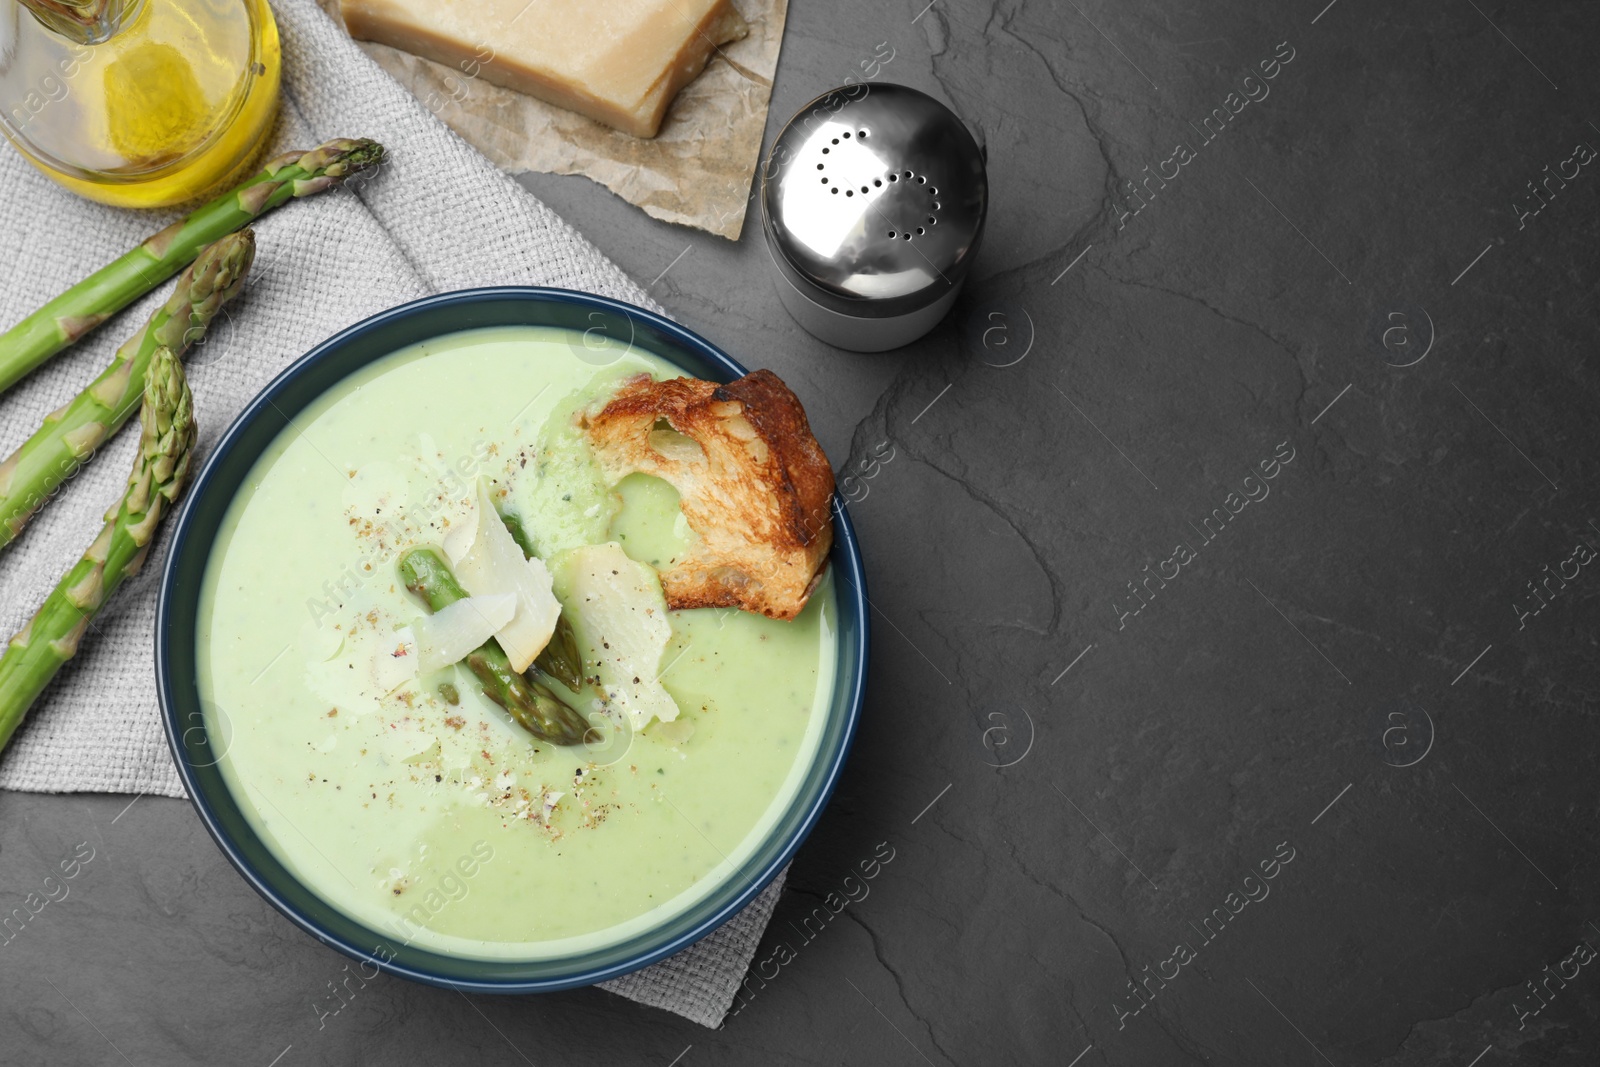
{"x": 139, "y": 103}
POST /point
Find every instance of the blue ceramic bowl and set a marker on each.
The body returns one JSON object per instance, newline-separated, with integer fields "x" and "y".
{"x": 179, "y": 606}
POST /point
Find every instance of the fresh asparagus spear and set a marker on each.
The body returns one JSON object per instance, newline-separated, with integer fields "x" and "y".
{"x": 116, "y": 285}
{"x": 71, "y": 433}
{"x": 560, "y": 658}
{"x": 160, "y": 472}
{"x": 519, "y": 533}
{"x": 530, "y": 702}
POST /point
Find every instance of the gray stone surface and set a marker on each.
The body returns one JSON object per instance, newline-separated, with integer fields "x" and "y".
{"x": 1341, "y": 674}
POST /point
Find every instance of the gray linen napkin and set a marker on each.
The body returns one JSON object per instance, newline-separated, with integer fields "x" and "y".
{"x": 438, "y": 217}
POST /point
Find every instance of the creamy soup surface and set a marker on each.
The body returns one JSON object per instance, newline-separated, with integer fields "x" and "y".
{"x": 446, "y": 825}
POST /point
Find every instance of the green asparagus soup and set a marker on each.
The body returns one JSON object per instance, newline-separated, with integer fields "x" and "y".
{"x": 406, "y": 797}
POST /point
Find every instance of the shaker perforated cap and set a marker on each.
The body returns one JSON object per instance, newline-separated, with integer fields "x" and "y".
{"x": 873, "y": 200}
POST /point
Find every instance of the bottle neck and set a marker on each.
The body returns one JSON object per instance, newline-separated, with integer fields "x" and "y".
{"x": 84, "y": 21}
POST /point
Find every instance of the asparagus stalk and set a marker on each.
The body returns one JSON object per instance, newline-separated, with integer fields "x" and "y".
{"x": 519, "y": 533}
{"x": 71, "y": 433}
{"x": 530, "y": 702}
{"x": 160, "y": 472}
{"x": 116, "y": 285}
{"x": 560, "y": 658}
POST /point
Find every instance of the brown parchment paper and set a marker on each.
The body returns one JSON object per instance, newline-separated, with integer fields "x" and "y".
{"x": 696, "y": 171}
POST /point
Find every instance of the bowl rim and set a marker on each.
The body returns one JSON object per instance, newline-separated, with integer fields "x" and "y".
{"x": 845, "y": 554}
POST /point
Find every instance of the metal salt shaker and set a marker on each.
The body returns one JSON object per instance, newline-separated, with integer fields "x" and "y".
{"x": 873, "y": 202}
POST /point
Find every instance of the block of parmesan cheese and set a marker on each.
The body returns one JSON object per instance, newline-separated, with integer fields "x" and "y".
{"x": 619, "y": 62}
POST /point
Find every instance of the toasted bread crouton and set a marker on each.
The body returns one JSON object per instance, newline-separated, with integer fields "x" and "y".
{"x": 751, "y": 479}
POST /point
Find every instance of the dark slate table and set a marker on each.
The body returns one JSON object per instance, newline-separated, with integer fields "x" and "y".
{"x": 1234, "y": 693}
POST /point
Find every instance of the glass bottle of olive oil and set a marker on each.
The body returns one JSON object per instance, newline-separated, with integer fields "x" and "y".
{"x": 139, "y": 103}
